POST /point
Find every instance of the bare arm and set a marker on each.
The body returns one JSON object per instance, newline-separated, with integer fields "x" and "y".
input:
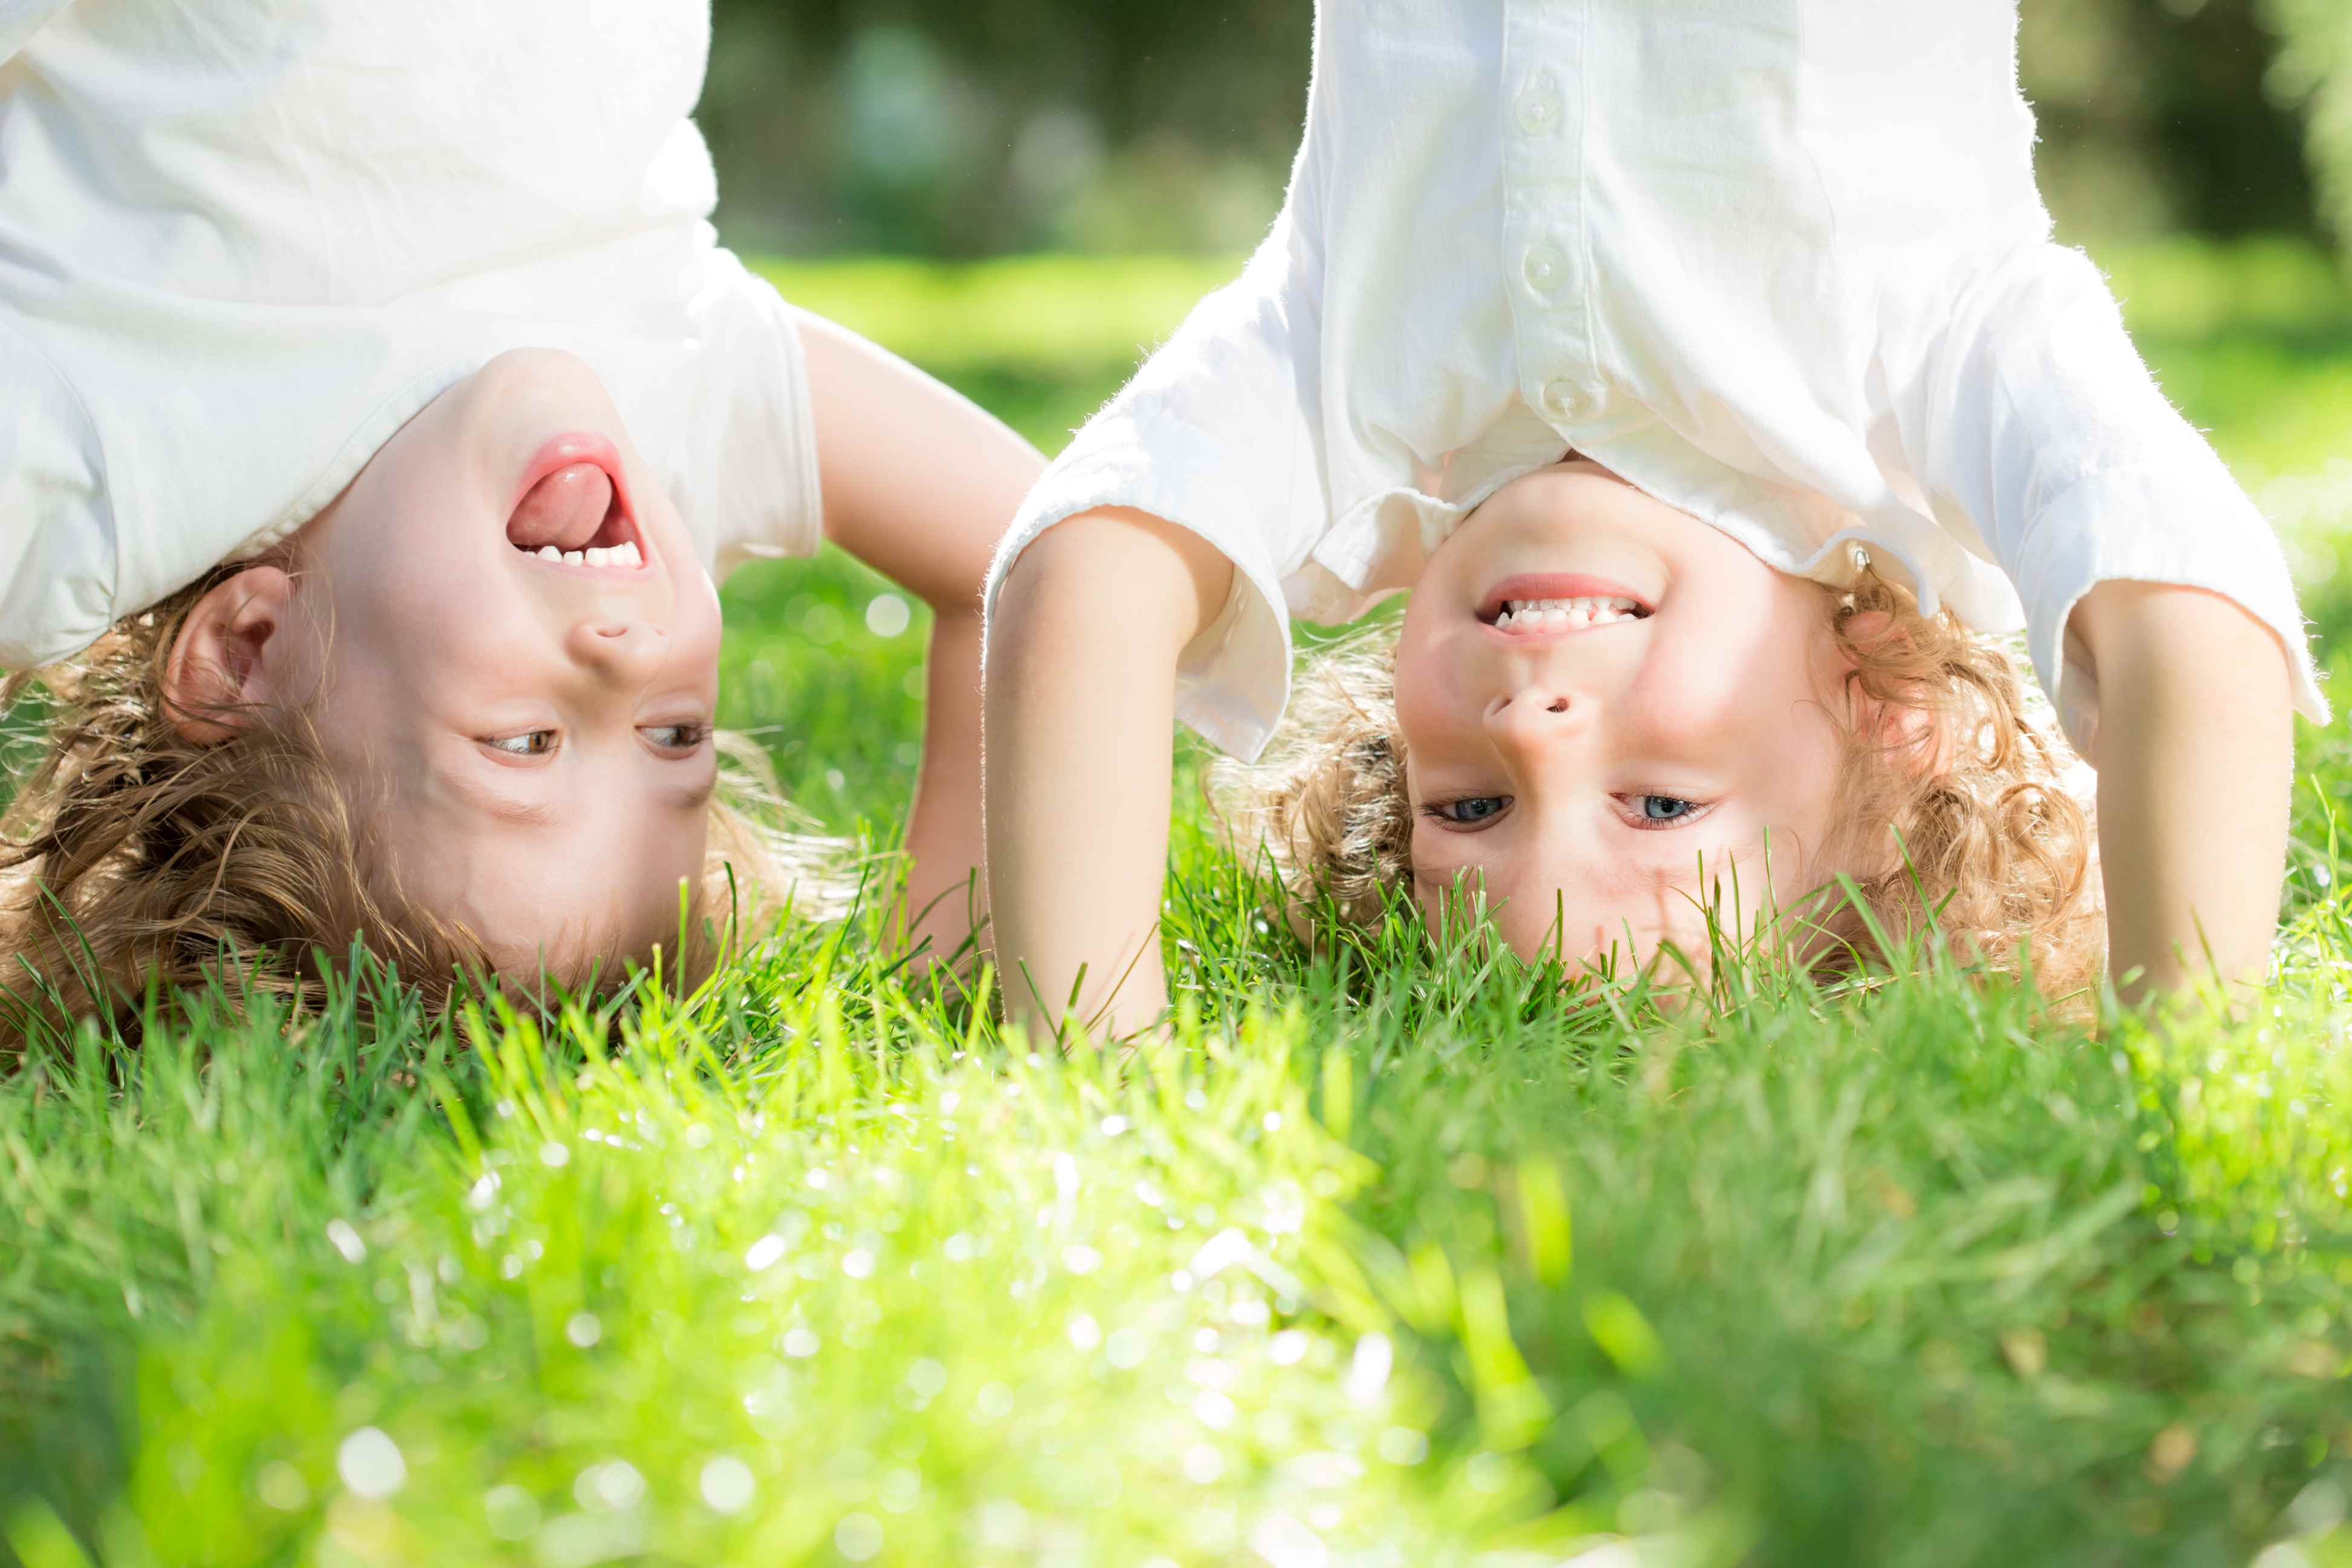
{"x": 1081, "y": 703}
{"x": 2196, "y": 764}
{"x": 919, "y": 483}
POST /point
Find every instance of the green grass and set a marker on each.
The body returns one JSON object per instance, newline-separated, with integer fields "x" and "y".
{"x": 1389, "y": 1258}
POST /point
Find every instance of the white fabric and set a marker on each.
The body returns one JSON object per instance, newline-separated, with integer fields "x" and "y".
{"x": 240, "y": 244}
{"x": 1779, "y": 263}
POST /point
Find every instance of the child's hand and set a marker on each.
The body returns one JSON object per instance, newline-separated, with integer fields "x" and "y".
{"x": 2195, "y": 753}
{"x": 1081, "y": 705}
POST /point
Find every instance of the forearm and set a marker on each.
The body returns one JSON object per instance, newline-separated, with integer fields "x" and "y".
{"x": 919, "y": 483}
{"x": 2196, "y": 761}
{"x": 944, "y": 899}
{"x": 1080, "y": 707}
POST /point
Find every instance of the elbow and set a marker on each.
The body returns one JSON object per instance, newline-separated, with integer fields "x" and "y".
{"x": 2183, "y": 638}
{"x": 1111, "y": 574}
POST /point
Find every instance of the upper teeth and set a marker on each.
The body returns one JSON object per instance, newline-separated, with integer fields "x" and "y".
{"x": 626, "y": 556}
{"x": 1589, "y": 612}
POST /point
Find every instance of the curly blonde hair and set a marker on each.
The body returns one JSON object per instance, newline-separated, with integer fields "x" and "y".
{"x": 1959, "y": 807}
{"x": 133, "y": 860}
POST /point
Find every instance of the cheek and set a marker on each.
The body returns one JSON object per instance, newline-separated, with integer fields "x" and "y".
{"x": 1433, "y": 707}
{"x": 1808, "y": 757}
{"x": 1746, "y": 664}
{"x": 424, "y": 606}
{"x": 1418, "y": 705}
{"x": 362, "y": 720}
{"x": 1705, "y": 685}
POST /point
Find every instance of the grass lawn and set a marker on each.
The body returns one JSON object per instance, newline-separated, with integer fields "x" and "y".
{"x": 1391, "y": 1263}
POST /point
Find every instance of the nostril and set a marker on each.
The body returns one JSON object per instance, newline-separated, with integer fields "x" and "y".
{"x": 1558, "y": 705}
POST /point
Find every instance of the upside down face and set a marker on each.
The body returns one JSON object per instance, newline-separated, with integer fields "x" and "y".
{"x": 1611, "y": 710}
{"x": 520, "y": 655}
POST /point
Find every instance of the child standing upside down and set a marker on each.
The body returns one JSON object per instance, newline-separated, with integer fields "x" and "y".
{"x": 379, "y": 408}
{"x": 1704, "y": 369}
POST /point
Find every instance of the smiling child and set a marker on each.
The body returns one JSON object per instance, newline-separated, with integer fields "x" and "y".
{"x": 381, "y": 412}
{"x": 1706, "y": 374}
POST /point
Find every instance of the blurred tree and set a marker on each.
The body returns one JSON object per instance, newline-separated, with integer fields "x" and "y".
{"x": 967, "y": 126}
{"x": 2314, "y": 70}
{"x": 2154, "y": 115}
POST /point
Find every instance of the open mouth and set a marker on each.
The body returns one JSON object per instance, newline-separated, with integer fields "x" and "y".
{"x": 573, "y": 510}
{"x": 1531, "y": 604}
{"x": 1565, "y": 615}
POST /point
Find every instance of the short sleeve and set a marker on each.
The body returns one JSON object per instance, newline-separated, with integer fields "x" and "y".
{"x": 1218, "y": 434}
{"x": 20, "y": 19}
{"x": 58, "y": 550}
{"x": 745, "y": 474}
{"x": 2031, "y": 418}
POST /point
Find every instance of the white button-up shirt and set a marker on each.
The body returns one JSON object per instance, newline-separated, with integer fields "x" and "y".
{"x": 1779, "y": 263}
{"x": 240, "y": 244}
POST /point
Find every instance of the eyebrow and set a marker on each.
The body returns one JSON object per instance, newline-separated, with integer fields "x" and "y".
{"x": 522, "y": 813}
{"x": 530, "y": 814}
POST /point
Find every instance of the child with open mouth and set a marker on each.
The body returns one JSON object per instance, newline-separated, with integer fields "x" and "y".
{"x": 379, "y": 412}
{"x": 1707, "y": 375}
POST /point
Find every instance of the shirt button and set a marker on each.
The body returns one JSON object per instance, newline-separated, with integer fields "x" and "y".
{"x": 1565, "y": 399}
{"x": 1538, "y": 110}
{"x": 1547, "y": 268}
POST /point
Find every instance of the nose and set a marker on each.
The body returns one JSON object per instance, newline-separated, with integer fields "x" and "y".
{"x": 1534, "y": 717}
{"x": 619, "y": 650}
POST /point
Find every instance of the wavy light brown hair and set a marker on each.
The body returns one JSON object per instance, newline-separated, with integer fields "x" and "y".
{"x": 134, "y": 860}
{"x": 1956, "y": 801}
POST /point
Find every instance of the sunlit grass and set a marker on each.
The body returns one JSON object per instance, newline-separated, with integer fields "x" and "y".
{"x": 1387, "y": 1256}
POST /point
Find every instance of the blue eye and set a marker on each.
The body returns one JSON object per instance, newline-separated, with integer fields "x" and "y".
{"x": 1665, "y": 807}
{"x": 1470, "y": 809}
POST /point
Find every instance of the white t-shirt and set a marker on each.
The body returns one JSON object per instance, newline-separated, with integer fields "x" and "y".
{"x": 1779, "y": 263}
{"x": 240, "y": 244}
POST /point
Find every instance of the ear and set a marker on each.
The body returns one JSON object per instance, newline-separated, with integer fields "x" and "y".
{"x": 1909, "y": 731}
{"x": 234, "y": 654}
{"x": 1915, "y": 735}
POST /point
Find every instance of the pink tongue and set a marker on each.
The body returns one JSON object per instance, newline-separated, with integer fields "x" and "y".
{"x": 564, "y": 510}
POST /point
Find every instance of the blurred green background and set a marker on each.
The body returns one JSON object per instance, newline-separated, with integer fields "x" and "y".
{"x": 964, "y": 128}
